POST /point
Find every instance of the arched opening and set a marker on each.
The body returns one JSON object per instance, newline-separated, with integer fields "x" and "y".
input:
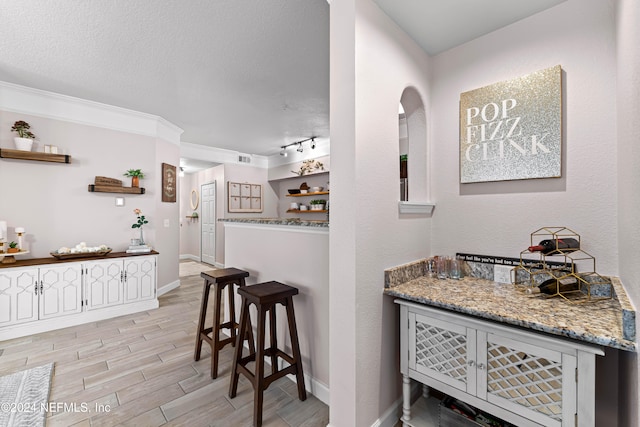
{"x": 413, "y": 147}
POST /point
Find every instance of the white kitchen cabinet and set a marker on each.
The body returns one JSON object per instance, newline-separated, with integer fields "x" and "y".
{"x": 104, "y": 283}
{"x": 33, "y": 293}
{"x": 74, "y": 292}
{"x": 60, "y": 290}
{"x": 524, "y": 377}
{"x": 18, "y": 299}
{"x": 139, "y": 279}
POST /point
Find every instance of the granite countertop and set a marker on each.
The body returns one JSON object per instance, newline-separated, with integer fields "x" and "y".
{"x": 609, "y": 322}
{"x": 279, "y": 221}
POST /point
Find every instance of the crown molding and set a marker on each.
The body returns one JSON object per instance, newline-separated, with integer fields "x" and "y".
{"x": 36, "y": 102}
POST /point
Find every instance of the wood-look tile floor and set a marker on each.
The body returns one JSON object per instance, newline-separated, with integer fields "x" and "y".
{"x": 138, "y": 370}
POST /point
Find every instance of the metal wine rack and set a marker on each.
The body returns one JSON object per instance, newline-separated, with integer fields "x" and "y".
{"x": 562, "y": 265}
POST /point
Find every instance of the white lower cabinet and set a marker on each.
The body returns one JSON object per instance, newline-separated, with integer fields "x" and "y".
{"x": 33, "y": 293}
{"x": 74, "y": 293}
{"x": 524, "y": 377}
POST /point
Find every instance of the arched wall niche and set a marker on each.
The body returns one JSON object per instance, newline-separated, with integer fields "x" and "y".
{"x": 415, "y": 146}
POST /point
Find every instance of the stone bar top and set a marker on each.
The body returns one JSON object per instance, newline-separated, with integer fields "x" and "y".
{"x": 609, "y": 322}
{"x": 279, "y": 221}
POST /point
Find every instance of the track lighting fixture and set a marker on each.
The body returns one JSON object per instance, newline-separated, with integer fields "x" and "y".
{"x": 300, "y": 149}
{"x": 181, "y": 174}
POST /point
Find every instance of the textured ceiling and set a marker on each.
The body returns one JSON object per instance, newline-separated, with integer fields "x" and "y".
{"x": 244, "y": 75}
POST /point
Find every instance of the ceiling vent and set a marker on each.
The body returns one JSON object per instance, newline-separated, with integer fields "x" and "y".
{"x": 244, "y": 159}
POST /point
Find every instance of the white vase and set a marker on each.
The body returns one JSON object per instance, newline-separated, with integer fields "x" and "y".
{"x": 23, "y": 144}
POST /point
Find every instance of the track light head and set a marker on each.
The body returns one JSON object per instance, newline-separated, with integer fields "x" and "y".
{"x": 313, "y": 143}
{"x": 283, "y": 152}
{"x": 300, "y": 149}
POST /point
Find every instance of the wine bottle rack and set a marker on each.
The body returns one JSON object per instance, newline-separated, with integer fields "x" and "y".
{"x": 562, "y": 265}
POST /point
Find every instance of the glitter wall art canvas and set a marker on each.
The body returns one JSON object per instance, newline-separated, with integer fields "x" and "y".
{"x": 513, "y": 129}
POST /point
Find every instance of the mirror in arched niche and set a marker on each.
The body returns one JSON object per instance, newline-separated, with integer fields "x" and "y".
{"x": 413, "y": 144}
{"x": 413, "y": 153}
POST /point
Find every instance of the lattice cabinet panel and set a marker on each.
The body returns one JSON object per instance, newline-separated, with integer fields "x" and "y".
{"x": 524, "y": 377}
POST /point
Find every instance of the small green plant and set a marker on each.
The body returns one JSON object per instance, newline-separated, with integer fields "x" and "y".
{"x": 13, "y": 245}
{"x": 141, "y": 219}
{"x": 134, "y": 172}
{"x": 318, "y": 202}
{"x": 23, "y": 129}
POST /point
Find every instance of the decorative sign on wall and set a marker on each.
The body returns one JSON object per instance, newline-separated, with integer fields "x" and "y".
{"x": 512, "y": 129}
{"x": 169, "y": 183}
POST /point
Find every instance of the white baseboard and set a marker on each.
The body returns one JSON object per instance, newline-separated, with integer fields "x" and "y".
{"x": 166, "y": 288}
{"x": 195, "y": 258}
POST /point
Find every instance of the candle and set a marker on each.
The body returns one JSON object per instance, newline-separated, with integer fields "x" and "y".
{"x": 19, "y": 230}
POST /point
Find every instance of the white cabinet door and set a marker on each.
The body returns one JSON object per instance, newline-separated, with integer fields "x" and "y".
{"x": 526, "y": 378}
{"x": 104, "y": 283}
{"x": 443, "y": 350}
{"x": 139, "y": 279}
{"x": 18, "y": 295}
{"x": 60, "y": 290}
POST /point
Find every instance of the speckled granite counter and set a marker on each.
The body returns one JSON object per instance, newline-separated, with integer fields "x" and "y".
{"x": 296, "y": 222}
{"x": 597, "y": 323}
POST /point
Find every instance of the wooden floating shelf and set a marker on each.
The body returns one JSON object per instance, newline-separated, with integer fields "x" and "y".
{"x": 113, "y": 189}
{"x": 5, "y": 153}
{"x": 318, "y": 193}
{"x": 307, "y": 211}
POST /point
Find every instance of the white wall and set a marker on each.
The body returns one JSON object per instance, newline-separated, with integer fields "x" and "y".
{"x": 628, "y": 111}
{"x": 51, "y": 200}
{"x": 368, "y": 76}
{"x": 190, "y": 230}
{"x": 496, "y": 218}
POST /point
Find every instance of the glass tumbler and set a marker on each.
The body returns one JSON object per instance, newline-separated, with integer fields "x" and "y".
{"x": 442, "y": 267}
{"x": 431, "y": 267}
{"x": 455, "y": 268}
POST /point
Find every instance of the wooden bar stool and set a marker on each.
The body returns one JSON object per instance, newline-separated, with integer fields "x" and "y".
{"x": 219, "y": 279}
{"x": 265, "y": 296}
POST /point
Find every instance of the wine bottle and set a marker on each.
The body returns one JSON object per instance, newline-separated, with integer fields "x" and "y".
{"x": 556, "y": 246}
{"x": 549, "y": 286}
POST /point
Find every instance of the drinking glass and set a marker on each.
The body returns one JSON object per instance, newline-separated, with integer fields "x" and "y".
{"x": 431, "y": 267}
{"x": 455, "y": 268}
{"x": 442, "y": 267}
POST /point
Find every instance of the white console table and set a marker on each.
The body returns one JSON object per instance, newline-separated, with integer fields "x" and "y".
{"x": 521, "y": 376}
{"x": 40, "y": 295}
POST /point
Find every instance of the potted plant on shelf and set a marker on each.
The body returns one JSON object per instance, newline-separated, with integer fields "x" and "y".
{"x": 136, "y": 175}
{"x": 13, "y": 248}
{"x": 25, "y": 137}
{"x": 317, "y": 204}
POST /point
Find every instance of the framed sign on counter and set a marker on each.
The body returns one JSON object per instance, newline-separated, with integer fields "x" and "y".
{"x": 512, "y": 129}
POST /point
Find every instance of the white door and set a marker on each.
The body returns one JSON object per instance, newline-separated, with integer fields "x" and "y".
{"x": 208, "y": 223}
{"x": 60, "y": 290}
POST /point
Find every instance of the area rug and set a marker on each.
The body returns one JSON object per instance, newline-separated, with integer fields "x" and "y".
{"x": 24, "y": 396}
{"x": 191, "y": 268}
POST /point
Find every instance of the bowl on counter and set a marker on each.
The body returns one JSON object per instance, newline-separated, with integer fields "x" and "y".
{"x": 316, "y": 189}
{"x": 294, "y": 191}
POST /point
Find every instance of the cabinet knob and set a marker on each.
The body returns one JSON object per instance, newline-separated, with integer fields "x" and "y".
{"x": 481, "y": 366}
{"x": 472, "y": 363}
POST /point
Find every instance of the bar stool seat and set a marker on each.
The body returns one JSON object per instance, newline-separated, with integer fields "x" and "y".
{"x": 265, "y": 296}
{"x": 219, "y": 279}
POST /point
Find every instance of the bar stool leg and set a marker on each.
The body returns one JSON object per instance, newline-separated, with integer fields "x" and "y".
{"x": 295, "y": 347}
{"x": 201, "y": 320}
{"x": 237, "y": 354}
{"x": 232, "y": 312}
{"x": 215, "y": 347}
{"x": 259, "y": 372}
{"x": 273, "y": 339}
